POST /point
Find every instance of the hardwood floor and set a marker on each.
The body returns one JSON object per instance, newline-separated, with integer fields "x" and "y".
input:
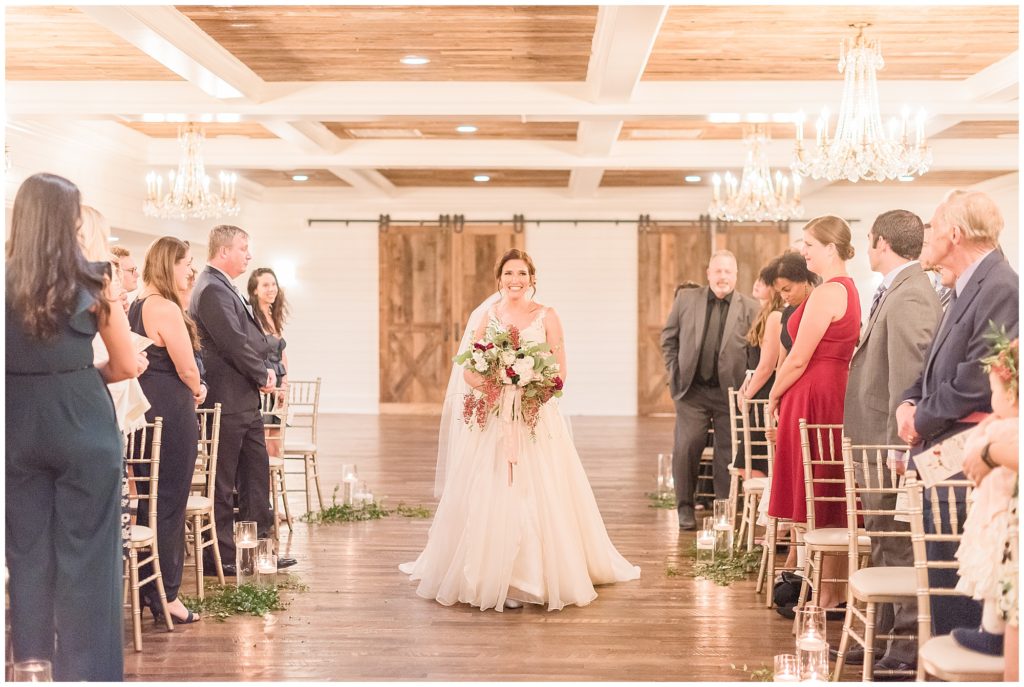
{"x": 361, "y": 620}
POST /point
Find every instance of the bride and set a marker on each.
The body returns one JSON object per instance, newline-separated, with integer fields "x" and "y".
{"x": 508, "y": 535}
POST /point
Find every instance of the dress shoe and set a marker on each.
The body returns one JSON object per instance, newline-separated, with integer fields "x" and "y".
{"x": 978, "y": 640}
{"x": 887, "y": 663}
{"x": 211, "y": 570}
{"x": 283, "y": 563}
{"x": 687, "y": 520}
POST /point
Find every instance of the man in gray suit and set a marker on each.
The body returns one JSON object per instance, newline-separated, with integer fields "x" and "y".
{"x": 705, "y": 353}
{"x": 904, "y": 315}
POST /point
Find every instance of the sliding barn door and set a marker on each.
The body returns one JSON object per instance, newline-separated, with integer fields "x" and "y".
{"x": 754, "y": 245}
{"x": 668, "y": 256}
{"x": 432, "y": 275}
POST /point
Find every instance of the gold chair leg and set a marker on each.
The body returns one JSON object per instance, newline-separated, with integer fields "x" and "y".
{"x": 868, "y": 673}
{"x": 197, "y": 547}
{"x": 273, "y": 500}
{"x": 214, "y": 542}
{"x": 316, "y": 479}
{"x": 769, "y": 579}
{"x": 160, "y": 590}
{"x": 133, "y": 581}
{"x": 844, "y": 640}
{"x": 307, "y": 474}
{"x": 284, "y": 500}
{"x": 801, "y": 599}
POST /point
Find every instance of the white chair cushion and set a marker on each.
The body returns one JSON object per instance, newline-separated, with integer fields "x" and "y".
{"x": 276, "y": 462}
{"x": 833, "y": 536}
{"x": 867, "y": 583}
{"x": 755, "y": 484}
{"x": 141, "y": 534}
{"x": 945, "y": 659}
{"x": 299, "y": 447}
{"x": 198, "y": 503}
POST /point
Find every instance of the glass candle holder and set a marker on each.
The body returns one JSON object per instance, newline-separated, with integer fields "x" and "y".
{"x": 813, "y": 663}
{"x": 705, "y": 545}
{"x": 723, "y": 510}
{"x": 246, "y": 543}
{"x": 810, "y": 628}
{"x": 348, "y": 491}
{"x": 266, "y": 563}
{"x": 708, "y": 522}
{"x": 32, "y": 670}
{"x": 786, "y": 668}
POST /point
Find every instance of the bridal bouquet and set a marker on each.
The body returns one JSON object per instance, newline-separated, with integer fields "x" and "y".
{"x": 506, "y": 362}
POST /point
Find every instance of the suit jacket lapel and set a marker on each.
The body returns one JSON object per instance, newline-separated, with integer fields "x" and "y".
{"x": 245, "y": 305}
{"x": 731, "y": 316}
{"x": 700, "y": 314}
{"x": 896, "y": 283}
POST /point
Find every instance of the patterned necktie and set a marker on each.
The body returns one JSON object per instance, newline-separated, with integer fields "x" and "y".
{"x": 876, "y": 300}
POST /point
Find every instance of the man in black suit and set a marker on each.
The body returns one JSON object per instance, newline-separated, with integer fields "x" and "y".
{"x": 234, "y": 351}
{"x": 705, "y": 349}
{"x": 964, "y": 242}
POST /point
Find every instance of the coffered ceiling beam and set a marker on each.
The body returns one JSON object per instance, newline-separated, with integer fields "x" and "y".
{"x": 173, "y": 40}
{"x": 334, "y": 101}
{"x": 623, "y": 40}
{"x": 308, "y": 135}
{"x": 584, "y": 182}
{"x": 368, "y": 181}
{"x": 998, "y": 82}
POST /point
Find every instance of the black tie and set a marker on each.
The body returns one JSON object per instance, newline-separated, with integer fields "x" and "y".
{"x": 876, "y": 300}
{"x": 712, "y": 341}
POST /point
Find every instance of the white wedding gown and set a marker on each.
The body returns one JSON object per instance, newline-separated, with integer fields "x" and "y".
{"x": 539, "y": 540}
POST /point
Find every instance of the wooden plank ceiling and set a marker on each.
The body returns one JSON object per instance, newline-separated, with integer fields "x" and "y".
{"x": 784, "y": 42}
{"x": 463, "y": 177}
{"x": 318, "y": 178}
{"x": 315, "y": 43}
{"x": 61, "y": 43}
{"x": 489, "y": 129}
{"x": 210, "y": 130}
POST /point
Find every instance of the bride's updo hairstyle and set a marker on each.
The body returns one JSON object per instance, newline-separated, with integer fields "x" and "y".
{"x": 831, "y": 229}
{"x": 516, "y": 254}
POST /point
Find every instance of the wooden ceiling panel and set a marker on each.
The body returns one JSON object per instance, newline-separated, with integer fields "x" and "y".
{"x": 802, "y": 42}
{"x": 461, "y": 177}
{"x": 487, "y": 129}
{"x": 464, "y": 43}
{"x": 980, "y": 129}
{"x": 694, "y": 129}
{"x": 63, "y": 44}
{"x": 652, "y": 177}
{"x": 949, "y": 179}
{"x": 211, "y": 130}
{"x": 318, "y": 178}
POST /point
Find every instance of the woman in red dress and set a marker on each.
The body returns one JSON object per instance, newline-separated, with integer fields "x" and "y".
{"x": 811, "y": 383}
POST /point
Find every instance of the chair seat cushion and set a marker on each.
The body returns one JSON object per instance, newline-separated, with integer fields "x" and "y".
{"x": 833, "y": 536}
{"x": 276, "y": 462}
{"x": 947, "y": 660}
{"x": 299, "y": 447}
{"x": 198, "y": 503}
{"x": 141, "y": 535}
{"x": 870, "y": 583}
{"x": 755, "y": 484}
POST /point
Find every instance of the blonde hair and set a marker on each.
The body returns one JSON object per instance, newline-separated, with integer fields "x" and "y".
{"x": 94, "y": 235}
{"x": 975, "y": 213}
{"x": 831, "y": 229}
{"x": 222, "y": 236}
{"x": 158, "y": 273}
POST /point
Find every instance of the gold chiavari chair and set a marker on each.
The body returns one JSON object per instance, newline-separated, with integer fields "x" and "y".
{"x": 304, "y": 402}
{"x": 199, "y": 518}
{"x": 754, "y": 423}
{"x": 275, "y": 414}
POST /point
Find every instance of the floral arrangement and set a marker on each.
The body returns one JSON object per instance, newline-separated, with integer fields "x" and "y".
{"x": 1004, "y": 359}
{"x": 503, "y": 359}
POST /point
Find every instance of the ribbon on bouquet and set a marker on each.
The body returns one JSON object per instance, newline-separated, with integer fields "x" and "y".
{"x": 510, "y": 413}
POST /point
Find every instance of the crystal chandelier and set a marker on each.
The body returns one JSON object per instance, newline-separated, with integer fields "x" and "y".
{"x": 756, "y": 196}
{"x": 188, "y": 195}
{"x": 861, "y": 148}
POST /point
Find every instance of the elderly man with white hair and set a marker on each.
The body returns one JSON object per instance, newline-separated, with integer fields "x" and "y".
{"x": 952, "y": 389}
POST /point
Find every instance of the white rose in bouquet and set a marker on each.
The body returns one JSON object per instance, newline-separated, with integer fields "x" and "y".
{"x": 507, "y": 358}
{"x": 524, "y": 368}
{"x": 479, "y": 363}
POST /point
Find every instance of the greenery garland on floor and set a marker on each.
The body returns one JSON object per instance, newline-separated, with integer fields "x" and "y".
{"x": 666, "y": 500}
{"x": 360, "y": 513}
{"x": 724, "y": 570}
{"x": 223, "y": 601}
{"x": 762, "y": 674}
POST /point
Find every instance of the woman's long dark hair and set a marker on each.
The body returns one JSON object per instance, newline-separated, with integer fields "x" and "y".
{"x": 158, "y": 273}
{"x": 278, "y": 309}
{"x": 45, "y": 264}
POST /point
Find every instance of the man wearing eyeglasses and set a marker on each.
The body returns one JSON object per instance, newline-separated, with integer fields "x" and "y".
{"x": 129, "y": 270}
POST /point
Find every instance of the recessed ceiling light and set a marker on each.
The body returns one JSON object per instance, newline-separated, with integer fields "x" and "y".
{"x": 692, "y": 178}
{"x": 414, "y": 59}
{"x": 114, "y": 239}
{"x": 482, "y": 178}
{"x": 906, "y": 177}
{"x": 300, "y": 177}
{"x": 466, "y": 129}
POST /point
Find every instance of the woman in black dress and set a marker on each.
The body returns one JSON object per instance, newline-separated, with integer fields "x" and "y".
{"x": 271, "y": 310}
{"x": 63, "y": 447}
{"x": 172, "y": 385}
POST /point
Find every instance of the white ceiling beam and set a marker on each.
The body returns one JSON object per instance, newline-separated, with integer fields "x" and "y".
{"x": 173, "y": 40}
{"x": 597, "y": 138}
{"x": 623, "y": 40}
{"x": 311, "y": 136}
{"x": 369, "y": 182}
{"x": 949, "y": 154}
{"x": 342, "y": 101}
{"x": 584, "y": 182}
{"x": 997, "y": 82}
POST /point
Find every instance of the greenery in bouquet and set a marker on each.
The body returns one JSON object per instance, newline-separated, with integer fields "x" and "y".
{"x": 502, "y": 358}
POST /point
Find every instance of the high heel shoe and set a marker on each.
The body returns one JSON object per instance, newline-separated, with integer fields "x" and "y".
{"x": 158, "y": 616}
